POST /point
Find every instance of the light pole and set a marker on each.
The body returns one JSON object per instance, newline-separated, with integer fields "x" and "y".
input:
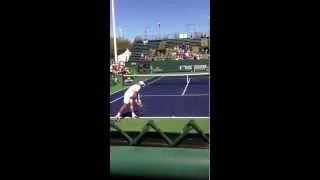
{"x": 114, "y": 32}
{"x": 209, "y": 35}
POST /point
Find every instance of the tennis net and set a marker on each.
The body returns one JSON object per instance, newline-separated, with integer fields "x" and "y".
{"x": 160, "y": 79}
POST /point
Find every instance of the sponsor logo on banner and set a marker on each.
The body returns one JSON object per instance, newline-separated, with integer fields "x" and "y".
{"x": 200, "y": 67}
{"x": 157, "y": 69}
{"x": 133, "y": 63}
{"x": 186, "y": 68}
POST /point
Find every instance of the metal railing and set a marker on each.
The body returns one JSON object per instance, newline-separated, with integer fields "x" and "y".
{"x": 170, "y": 141}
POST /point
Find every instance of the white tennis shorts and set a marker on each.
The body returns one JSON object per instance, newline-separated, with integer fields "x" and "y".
{"x": 127, "y": 99}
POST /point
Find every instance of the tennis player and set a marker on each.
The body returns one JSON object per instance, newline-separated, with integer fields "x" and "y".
{"x": 131, "y": 97}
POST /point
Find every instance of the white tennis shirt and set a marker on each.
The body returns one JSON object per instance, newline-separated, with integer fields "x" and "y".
{"x": 132, "y": 89}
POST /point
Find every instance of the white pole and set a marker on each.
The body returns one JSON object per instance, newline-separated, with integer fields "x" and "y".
{"x": 209, "y": 35}
{"x": 114, "y": 32}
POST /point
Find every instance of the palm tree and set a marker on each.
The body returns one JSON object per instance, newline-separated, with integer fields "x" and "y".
{"x": 150, "y": 52}
{"x": 162, "y": 47}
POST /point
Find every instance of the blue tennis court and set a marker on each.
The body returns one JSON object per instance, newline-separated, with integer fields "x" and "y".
{"x": 177, "y": 96}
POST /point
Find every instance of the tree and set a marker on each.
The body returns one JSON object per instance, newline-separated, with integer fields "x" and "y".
{"x": 169, "y": 52}
{"x": 151, "y": 52}
{"x": 195, "y": 49}
{"x": 162, "y": 47}
{"x": 204, "y": 42}
{"x": 122, "y": 46}
{"x": 138, "y": 39}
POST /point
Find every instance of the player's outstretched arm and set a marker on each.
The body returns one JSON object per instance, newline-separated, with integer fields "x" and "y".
{"x": 138, "y": 100}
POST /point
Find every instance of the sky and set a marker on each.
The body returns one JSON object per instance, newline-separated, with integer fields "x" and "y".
{"x": 133, "y": 17}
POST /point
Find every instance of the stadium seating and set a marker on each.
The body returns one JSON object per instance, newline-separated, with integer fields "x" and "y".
{"x": 140, "y": 48}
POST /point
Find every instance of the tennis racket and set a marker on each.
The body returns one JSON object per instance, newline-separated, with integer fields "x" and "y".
{"x": 141, "y": 106}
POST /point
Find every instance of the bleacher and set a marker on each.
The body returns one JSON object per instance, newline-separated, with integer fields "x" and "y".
{"x": 171, "y": 41}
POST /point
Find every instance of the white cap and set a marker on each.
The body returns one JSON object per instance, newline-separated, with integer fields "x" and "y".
{"x": 141, "y": 83}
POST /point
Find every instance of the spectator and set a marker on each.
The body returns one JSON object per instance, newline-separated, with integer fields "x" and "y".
{"x": 125, "y": 71}
{"x": 151, "y": 69}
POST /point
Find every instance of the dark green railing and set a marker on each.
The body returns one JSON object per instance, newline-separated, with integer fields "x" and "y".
{"x": 171, "y": 142}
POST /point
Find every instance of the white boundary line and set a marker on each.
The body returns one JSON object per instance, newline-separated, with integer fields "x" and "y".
{"x": 119, "y": 90}
{"x": 116, "y": 99}
{"x": 127, "y": 87}
{"x": 154, "y": 80}
{"x": 185, "y": 88}
{"x": 169, "y": 95}
{"x": 169, "y": 74}
{"x": 165, "y": 117}
{"x": 165, "y": 95}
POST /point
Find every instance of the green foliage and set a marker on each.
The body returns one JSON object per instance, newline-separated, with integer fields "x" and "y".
{"x": 204, "y": 42}
{"x": 138, "y": 39}
{"x": 151, "y": 52}
{"x": 122, "y": 46}
{"x": 168, "y": 52}
{"x": 162, "y": 45}
{"x": 196, "y": 49}
{"x": 162, "y": 48}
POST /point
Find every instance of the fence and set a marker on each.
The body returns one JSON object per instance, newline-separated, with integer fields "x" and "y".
{"x": 171, "y": 66}
{"x": 134, "y": 160}
{"x": 170, "y": 141}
